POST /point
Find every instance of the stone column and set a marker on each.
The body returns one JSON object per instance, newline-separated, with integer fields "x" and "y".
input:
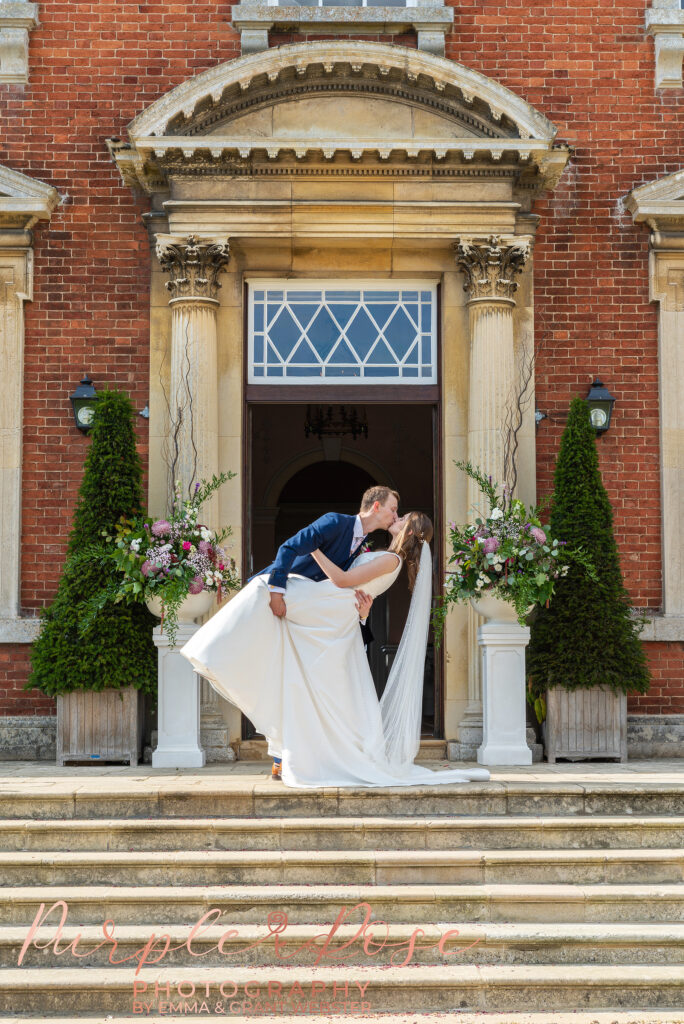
{"x": 490, "y": 267}
{"x": 194, "y": 266}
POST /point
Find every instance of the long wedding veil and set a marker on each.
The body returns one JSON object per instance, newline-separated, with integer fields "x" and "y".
{"x": 401, "y": 703}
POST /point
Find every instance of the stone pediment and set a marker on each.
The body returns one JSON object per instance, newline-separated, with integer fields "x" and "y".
{"x": 24, "y": 200}
{"x": 660, "y": 203}
{"x": 330, "y": 103}
{"x": 328, "y": 118}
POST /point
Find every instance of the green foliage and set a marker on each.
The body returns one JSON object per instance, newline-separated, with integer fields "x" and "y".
{"x": 168, "y": 559}
{"x": 509, "y": 554}
{"x": 587, "y": 636}
{"x": 117, "y": 649}
{"x": 112, "y": 479}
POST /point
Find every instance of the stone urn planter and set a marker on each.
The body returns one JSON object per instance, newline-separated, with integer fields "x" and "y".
{"x": 100, "y": 725}
{"x": 192, "y": 608}
{"x": 585, "y": 723}
{"x": 495, "y": 609}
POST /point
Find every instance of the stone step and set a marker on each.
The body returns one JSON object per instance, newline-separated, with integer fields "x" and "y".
{"x": 320, "y": 905}
{"x": 453, "y": 942}
{"x": 247, "y": 796}
{"x": 341, "y": 867}
{"x": 371, "y": 989}
{"x": 489, "y": 832}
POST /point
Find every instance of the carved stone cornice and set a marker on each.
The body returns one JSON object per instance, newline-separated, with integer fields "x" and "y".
{"x": 16, "y": 21}
{"x": 490, "y": 266}
{"x": 665, "y": 22}
{"x": 24, "y": 200}
{"x": 194, "y": 265}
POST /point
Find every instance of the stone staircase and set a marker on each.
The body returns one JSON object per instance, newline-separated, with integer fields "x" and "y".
{"x": 541, "y": 901}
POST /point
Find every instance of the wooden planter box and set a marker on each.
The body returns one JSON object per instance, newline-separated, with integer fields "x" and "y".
{"x": 585, "y": 723}
{"x": 100, "y": 726}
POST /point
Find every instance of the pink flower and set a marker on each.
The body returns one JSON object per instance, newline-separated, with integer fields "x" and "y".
{"x": 538, "y": 535}
{"x": 186, "y": 545}
{"x": 205, "y": 547}
{"x": 490, "y": 544}
{"x": 146, "y": 568}
{"x": 161, "y": 528}
{"x": 197, "y": 586}
{"x": 221, "y": 565}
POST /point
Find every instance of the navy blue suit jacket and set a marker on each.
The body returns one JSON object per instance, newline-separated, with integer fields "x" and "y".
{"x": 332, "y": 533}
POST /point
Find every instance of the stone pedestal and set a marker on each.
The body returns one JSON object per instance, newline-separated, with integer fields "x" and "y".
{"x": 502, "y": 647}
{"x": 178, "y": 721}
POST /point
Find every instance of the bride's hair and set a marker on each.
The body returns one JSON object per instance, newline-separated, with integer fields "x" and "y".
{"x": 409, "y": 542}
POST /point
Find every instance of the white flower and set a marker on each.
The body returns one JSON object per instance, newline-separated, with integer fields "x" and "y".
{"x": 496, "y": 513}
{"x": 135, "y": 545}
{"x": 498, "y": 566}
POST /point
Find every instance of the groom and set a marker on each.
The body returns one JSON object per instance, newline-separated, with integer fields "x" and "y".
{"x": 340, "y": 538}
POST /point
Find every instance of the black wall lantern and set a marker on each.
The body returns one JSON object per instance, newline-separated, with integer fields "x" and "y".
{"x": 600, "y": 402}
{"x": 83, "y": 401}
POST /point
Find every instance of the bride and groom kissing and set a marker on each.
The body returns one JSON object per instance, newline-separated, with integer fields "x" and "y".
{"x": 287, "y": 650}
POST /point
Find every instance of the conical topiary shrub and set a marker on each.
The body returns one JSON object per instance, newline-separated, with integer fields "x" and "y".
{"x": 117, "y": 650}
{"x": 587, "y": 636}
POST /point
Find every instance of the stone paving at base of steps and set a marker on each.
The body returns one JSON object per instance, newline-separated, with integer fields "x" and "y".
{"x": 241, "y": 776}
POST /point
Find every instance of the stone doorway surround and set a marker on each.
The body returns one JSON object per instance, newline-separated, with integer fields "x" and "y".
{"x": 344, "y": 159}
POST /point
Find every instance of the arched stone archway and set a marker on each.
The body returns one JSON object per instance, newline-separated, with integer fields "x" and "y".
{"x": 301, "y": 461}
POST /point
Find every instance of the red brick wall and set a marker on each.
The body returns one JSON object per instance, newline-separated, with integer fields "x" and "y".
{"x": 587, "y": 66}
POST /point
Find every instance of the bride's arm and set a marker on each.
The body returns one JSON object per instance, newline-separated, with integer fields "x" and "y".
{"x": 360, "y": 573}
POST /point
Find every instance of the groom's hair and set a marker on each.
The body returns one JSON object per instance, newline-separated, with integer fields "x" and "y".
{"x": 378, "y": 493}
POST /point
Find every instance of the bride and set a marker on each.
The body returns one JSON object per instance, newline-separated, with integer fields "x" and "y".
{"x": 304, "y": 679}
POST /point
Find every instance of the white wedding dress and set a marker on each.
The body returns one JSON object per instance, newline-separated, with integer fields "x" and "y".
{"x": 305, "y": 683}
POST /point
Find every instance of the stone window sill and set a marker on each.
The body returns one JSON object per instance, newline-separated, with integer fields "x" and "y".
{"x": 430, "y": 21}
{"x": 19, "y": 631}
{"x": 665, "y": 22}
{"x": 16, "y": 20}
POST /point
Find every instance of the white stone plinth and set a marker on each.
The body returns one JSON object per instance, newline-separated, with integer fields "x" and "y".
{"x": 178, "y": 724}
{"x": 503, "y": 693}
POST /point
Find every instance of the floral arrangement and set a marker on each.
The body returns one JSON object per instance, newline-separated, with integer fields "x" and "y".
{"x": 509, "y": 553}
{"x": 168, "y": 558}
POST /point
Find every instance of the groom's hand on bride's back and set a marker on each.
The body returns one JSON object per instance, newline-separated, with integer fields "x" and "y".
{"x": 278, "y": 606}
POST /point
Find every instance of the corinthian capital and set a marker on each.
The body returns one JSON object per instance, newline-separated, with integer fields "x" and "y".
{"x": 490, "y": 265}
{"x": 194, "y": 265}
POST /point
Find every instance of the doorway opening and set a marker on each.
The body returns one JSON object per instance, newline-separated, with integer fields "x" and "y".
{"x": 292, "y": 479}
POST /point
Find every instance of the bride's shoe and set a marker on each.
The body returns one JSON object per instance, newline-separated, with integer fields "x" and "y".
{"x": 276, "y": 771}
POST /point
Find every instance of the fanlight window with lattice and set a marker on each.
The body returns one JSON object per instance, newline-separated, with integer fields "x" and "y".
{"x": 314, "y": 332}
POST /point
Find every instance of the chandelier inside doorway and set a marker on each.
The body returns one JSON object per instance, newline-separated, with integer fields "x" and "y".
{"x": 335, "y": 421}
